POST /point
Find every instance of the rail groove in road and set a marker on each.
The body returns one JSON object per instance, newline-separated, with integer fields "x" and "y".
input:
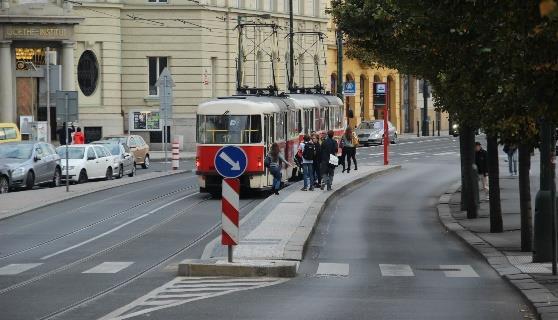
{"x": 99, "y": 294}
{"x": 119, "y": 213}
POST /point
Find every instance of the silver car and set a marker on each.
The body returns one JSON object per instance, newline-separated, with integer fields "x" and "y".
{"x": 31, "y": 163}
{"x": 372, "y": 132}
{"x": 122, "y": 156}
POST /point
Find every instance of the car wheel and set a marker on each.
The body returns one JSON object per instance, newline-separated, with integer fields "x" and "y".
{"x": 108, "y": 174}
{"x": 82, "y": 177}
{"x": 120, "y": 172}
{"x": 30, "y": 180}
{"x": 394, "y": 141}
{"x": 56, "y": 179}
{"x": 145, "y": 164}
{"x": 131, "y": 174}
{"x": 4, "y": 185}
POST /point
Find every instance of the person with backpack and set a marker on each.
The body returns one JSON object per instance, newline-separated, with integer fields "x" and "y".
{"x": 511, "y": 151}
{"x": 274, "y": 162}
{"x": 317, "y": 161}
{"x": 308, "y": 150}
{"x": 328, "y": 152}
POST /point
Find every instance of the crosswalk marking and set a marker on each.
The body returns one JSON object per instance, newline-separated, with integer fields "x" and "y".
{"x": 396, "y": 270}
{"x": 333, "y": 269}
{"x": 17, "y": 268}
{"x": 410, "y": 153}
{"x": 109, "y": 267}
{"x": 182, "y": 290}
{"x": 444, "y": 153}
{"x": 460, "y": 271}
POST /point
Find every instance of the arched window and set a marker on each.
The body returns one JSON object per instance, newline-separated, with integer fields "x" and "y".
{"x": 301, "y": 69}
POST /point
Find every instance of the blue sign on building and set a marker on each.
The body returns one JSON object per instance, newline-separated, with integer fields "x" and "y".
{"x": 230, "y": 161}
{"x": 349, "y": 89}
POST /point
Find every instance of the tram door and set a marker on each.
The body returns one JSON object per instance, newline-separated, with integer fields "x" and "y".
{"x": 269, "y": 138}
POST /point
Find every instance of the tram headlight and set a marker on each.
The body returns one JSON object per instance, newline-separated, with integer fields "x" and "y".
{"x": 259, "y": 162}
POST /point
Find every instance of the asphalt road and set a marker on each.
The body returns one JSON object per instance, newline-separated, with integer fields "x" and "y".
{"x": 379, "y": 253}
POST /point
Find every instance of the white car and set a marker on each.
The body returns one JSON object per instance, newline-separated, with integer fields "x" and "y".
{"x": 87, "y": 162}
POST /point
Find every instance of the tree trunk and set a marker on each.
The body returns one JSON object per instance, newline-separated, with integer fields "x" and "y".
{"x": 464, "y": 188}
{"x": 470, "y": 173}
{"x": 496, "y": 223}
{"x": 525, "y": 198}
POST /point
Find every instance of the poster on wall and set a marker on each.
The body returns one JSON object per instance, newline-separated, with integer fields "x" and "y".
{"x": 25, "y": 124}
{"x": 39, "y": 131}
{"x": 145, "y": 121}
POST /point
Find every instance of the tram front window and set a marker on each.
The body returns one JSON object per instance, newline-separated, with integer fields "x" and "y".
{"x": 229, "y": 129}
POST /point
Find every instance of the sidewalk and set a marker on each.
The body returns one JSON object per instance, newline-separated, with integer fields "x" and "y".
{"x": 160, "y": 155}
{"x": 15, "y": 203}
{"x": 278, "y": 228}
{"x": 503, "y": 250}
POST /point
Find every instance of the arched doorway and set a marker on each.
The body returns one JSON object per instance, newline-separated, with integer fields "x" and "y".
{"x": 364, "y": 98}
{"x": 351, "y": 113}
{"x": 393, "y": 106}
{"x": 378, "y": 113}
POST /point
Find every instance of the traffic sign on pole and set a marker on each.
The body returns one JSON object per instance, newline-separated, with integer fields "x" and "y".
{"x": 165, "y": 83}
{"x": 229, "y": 219}
{"x": 230, "y": 161}
{"x": 349, "y": 89}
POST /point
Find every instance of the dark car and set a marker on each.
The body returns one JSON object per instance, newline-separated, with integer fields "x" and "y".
{"x": 31, "y": 163}
{"x": 5, "y": 179}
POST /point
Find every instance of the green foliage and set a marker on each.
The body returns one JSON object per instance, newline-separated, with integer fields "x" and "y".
{"x": 492, "y": 63}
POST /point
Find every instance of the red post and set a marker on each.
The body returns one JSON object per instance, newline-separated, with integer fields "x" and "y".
{"x": 386, "y": 127}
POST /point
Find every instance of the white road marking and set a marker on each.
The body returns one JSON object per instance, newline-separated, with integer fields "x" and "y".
{"x": 333, "y": 269}
{"x": 116, "y": 228}
{"x": 465, "y": 271}
{"x": 109, "y": 267}
{"x": 396, "y": 270}
{"x": 377, "y": 154}
{"x": 444, "y": 153}
{"x": 410, "y": 153}
{"x": 161, "y": 299}
{"x": 17, "y": 268}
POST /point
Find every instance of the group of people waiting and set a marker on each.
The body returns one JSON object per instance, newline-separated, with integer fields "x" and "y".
{"x": 71, "y": 135}
{"x": 318, "y": 158}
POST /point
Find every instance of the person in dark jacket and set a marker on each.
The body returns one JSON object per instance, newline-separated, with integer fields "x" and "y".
{"x": 328, "y": 147}
{"x": 62, "y": 134}
{"x": 274, "y": 162}
{"x": 481, "y": 160}
{"x": 317, "y": 160}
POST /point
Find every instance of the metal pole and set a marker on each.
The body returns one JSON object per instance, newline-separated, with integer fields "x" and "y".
{"x": 49, "y": 134}
{"x": 340, "y": 64}
{"x": 552, "y": 183}
{"x": 291, "y": 46}
{"x": 425, "y": 108}
{"x": 67, "y": 157}
{"x": 230, "y": 250}
{"x": 418, "y": 128}
{"x": 165, "y": 127}
{"x": 439, "y": 124}
{"x": 240, "y": 55}
{"x": 386, "y": 127}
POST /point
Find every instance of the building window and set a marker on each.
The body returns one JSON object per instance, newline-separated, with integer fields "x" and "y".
{"x": 301, "y": 71}
{"x": 213, "y": 77}
{"x": 88, "y": 72}
{"x": 156, "y": 66}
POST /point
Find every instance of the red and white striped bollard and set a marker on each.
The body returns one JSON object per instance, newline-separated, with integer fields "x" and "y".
{"x": 175, "y": 154}
{"x": 230, "y": 205}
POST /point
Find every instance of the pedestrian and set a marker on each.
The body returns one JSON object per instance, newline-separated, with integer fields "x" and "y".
{"x": 481, "y": 160}
{"x": 62, "y": 134}
{"x": 343, "y": 155}
{"x": 274, "y": 162}
{"x": 317, "y": 161}
{"x": 511, "y": 151}
{"x": 308, "y": 150}
{"x": 328, "y": 155}
{"x": 79, "y": 138}
{"x": 350, "y": 142}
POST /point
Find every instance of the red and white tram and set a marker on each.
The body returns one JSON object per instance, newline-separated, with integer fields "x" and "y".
{"x": 255, "y": 122}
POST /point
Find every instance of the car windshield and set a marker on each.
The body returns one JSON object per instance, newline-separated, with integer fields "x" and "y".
{"x": 371, "y": 125}
{"x": 16, "y": 150}
{"x": 73, "y": 153}
{"x": 233, "y": 129}
{"x": 116, "y": 139}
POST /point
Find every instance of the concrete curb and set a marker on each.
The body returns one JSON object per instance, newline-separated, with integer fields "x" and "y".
{"x": 127, "y": 181}
{"x": 541, "y": 299}
{"x": 240, "y": 268}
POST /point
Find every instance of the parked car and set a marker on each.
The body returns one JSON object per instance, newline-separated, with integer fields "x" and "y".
{"x": 9, "y": 133}
{"x": 31, "y": 163}
{"x": 124, "y": 162}
{"x": 5, "y": 178}
{"x": 369, "y": 132}
{"x": 86, "y": 161}
{"x": 138, "y": 147}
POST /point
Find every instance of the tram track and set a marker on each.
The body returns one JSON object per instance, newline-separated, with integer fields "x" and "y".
{"x": 145, "y": 270}
{"x": 100, "y": 221}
